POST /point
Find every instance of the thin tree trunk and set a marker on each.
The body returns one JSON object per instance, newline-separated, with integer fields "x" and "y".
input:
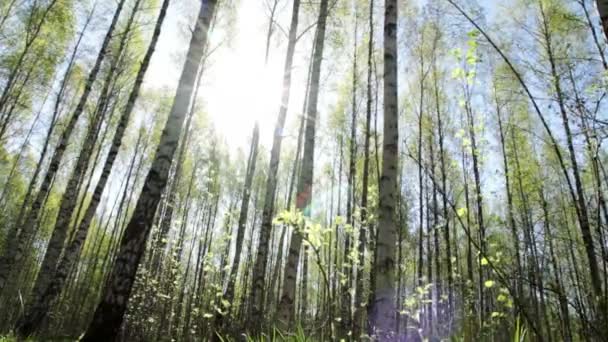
{"x": 363, "y": 230}
{"x": 483, "y": 308}
{"x": 420, "y": 264}
{"x": 596, "y": 41}
{"x": 566, "y": 328}
{"x": 446, "y": 217}
{"x": 271, "y": 24}
{"x": 22, "y": 151}
{"x": 437, "y": 293}
{"x": 471, "y": 327}
{"x": 510, "y": 212}
{"x": 346, "y": 301}
{"x": 15, "y": 102}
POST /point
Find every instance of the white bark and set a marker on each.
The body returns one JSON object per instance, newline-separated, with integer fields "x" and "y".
{"x": 384, "y": 311}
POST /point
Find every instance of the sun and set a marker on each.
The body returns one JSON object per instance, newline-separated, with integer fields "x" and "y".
{"x": 240, "y": 92}
{"x": 239, "y": 88}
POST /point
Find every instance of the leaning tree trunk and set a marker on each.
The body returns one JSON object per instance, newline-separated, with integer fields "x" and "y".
{"x": 110, "y": 312}
{"x": 304, "y": 193}
{"x": 42, "y": 304}
{"x": 15, "y": 255}
{"x": 166, "y": 216}
{"x": 383, "y": 311}
{"x": 257, "y": 292}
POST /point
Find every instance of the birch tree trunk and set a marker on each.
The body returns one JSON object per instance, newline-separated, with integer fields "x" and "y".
{"x": 109, "y": 314}
{"x": 383, "y": 311}
{"x": 345, "y": 301}
{"x": 261, "y": 260}
{"x": 510, "y": 211}
{"x": 358, "y": 319}
{"x": 286, "y": 310}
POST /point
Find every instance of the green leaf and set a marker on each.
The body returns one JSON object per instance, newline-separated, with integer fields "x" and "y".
{"x": 458, "y": 73}
{"x": 489, "y": 283}
{"x": 457, "y": 53}
{"x": 461, "y": 212}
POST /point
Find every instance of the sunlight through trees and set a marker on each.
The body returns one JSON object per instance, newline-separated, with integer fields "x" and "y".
{"x": 286, "y": 170}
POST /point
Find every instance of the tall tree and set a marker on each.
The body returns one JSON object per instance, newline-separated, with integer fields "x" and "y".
{"x": 363, "y": 230}
{"x": 305, "y": 182}
{"x": 110, "y": 311}
{"x": 346, "y": 300}
{"x": 383, "y": 312}
{"x": 261, "y": 260}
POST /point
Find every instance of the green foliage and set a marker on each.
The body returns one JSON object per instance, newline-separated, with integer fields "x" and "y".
{"x": 276, "y": 336}
{"x": 451, "y": 72}
{"x": 519, "y": 333}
